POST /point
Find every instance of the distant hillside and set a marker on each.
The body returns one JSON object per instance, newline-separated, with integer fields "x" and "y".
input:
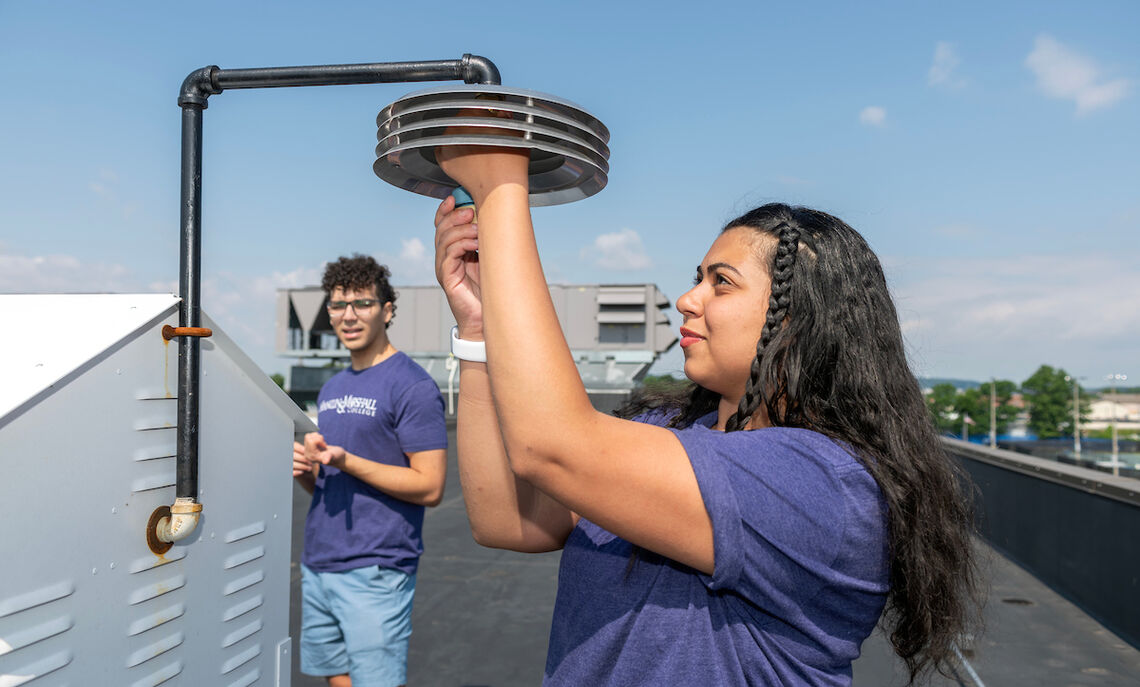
{"x": 931, "y": 382}
{"x": 1107, "y": 390}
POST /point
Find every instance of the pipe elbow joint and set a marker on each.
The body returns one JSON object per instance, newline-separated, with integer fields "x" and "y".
{"x": 479, "y": 69}
{"x": 183, "y": 520}
{"x": 197, "y": 87}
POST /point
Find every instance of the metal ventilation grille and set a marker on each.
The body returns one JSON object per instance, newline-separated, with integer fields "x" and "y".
{"x": 568, "y": 146}
{"x": 32, "y": 629}
{"x": 241, "y": 620}
{"x": 158, "y": 601}
{"x": 155, "y": 455}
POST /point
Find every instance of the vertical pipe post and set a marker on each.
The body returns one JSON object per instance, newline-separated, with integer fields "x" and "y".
{"x": 189, "y": 312}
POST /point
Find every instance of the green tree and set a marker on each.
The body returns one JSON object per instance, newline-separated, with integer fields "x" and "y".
{"x": 1106, "y": 433}
{"x": 971, "y": 404}
{"x": 1004, "y": 413}
{"x": 941, "y": 401}
{"x": 1050, "y": 399}
{"x": 662, "y": 383}
{"x": 278, "y": 379}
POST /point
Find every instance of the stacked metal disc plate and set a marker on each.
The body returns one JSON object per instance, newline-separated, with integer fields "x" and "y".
{"x": 568, "y": 151}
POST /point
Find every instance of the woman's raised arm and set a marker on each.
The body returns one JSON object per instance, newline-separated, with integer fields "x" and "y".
{"x": 505, "y": 512}
{"x": 633, "y": 479}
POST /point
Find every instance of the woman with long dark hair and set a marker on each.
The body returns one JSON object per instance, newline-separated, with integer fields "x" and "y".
{"x": 752, "y": 532}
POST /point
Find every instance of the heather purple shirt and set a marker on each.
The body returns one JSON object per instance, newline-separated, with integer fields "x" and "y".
{"x": 380, "y": 413}
{"x": 800, "y": 575}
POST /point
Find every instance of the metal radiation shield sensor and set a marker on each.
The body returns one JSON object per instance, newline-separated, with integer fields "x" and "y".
{"x": 568, "y": 146}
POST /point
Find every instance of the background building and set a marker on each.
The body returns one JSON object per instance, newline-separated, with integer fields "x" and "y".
{"x": 615, "y": 332}
{"x": 1124, "y": 409}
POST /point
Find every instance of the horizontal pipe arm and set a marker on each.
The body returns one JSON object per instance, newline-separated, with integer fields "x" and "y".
{"x": 200, "y": 84}
{"x": 471, "y": 69}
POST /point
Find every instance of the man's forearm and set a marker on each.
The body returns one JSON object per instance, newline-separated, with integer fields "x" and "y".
{"x": 404, "y": 483}
{"x": 307, "y": 481}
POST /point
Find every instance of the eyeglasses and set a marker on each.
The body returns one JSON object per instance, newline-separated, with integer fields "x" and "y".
{"x": 360, "y": 305}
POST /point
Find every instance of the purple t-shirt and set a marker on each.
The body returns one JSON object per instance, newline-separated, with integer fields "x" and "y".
{"x": 800, "y": 575}
{"x": 380, "y": 413}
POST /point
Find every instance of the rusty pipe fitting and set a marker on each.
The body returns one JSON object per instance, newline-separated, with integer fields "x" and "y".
{"x": 169, "y": 332}
{"x": 183, "y": 520}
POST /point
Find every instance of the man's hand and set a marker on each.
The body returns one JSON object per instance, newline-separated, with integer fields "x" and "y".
{"x": 420, "y": 483}
{"x": 313, "y": 442}
{"x": 301, "y": 464}
{"x": 317, "y": 452}
{"x": 333, "y": 456}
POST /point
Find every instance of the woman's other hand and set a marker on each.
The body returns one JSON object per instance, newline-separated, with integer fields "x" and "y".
{"x": 457, "y": 266}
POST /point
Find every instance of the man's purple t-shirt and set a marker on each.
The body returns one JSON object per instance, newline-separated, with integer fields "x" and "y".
{"x": 379, "y": 413}
{"x": 800, "y": 575}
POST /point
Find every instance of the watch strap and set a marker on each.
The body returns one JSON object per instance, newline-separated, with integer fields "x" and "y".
{"x": 471, "y": 351}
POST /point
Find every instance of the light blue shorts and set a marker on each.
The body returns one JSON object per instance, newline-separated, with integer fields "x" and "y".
{"x": 357, "y": 622}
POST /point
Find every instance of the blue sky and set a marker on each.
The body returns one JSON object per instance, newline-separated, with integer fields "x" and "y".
{"x": 988, "y": 152}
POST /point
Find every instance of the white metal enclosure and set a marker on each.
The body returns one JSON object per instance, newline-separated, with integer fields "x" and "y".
{"x": 87, "y": 453}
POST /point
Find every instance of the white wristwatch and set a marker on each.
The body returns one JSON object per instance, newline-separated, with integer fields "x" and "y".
{"x": 471, "y": 351}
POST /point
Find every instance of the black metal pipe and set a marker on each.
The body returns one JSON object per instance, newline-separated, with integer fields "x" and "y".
{"x": 193, "y": 98}
{"x": 197, "y": 87}
{"x": 189, "y": 311}
{"x": 472, "y": 69}
{"x": 478, "y": 69}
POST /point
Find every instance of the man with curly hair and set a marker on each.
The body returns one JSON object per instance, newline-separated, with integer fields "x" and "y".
{"x": 380, "y": 457}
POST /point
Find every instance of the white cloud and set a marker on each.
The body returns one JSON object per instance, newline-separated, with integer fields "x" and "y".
{"x": 105, "y": 188}
{"x": 413, "y": 266}
{"x": 982, "y": 316}
{"x": 1067, "y": 75}
{"x": 104, "y": 185}
{"x": 412, "y": 249}
{"x": 302, "y": 276}
{"x": 914, "y": 324}
{"x": 873, "y": 116}
{"x": 60, "y": 274}
{"x": 622, "y": 251}
{"x": 242, "y": 304}
{"x": 946, "y": 61}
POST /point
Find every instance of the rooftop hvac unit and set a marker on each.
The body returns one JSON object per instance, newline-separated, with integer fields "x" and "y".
{"x": 87, "y": 457}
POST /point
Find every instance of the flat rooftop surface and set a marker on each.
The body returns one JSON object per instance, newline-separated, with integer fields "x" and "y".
{"x": 482, "y": 618}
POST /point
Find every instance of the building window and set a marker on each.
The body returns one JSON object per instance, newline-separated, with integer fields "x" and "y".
{"x": 621, "y": 333}
{"x": 621, "y": 323}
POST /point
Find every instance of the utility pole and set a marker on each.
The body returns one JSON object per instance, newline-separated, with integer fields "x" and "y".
{"x": 993, "y": 413}
{"x": 1113, "y": 379}
{"x": 1076, "y": 414}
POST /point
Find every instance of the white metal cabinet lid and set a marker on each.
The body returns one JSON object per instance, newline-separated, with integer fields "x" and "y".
{"x": 45, "y": 337}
